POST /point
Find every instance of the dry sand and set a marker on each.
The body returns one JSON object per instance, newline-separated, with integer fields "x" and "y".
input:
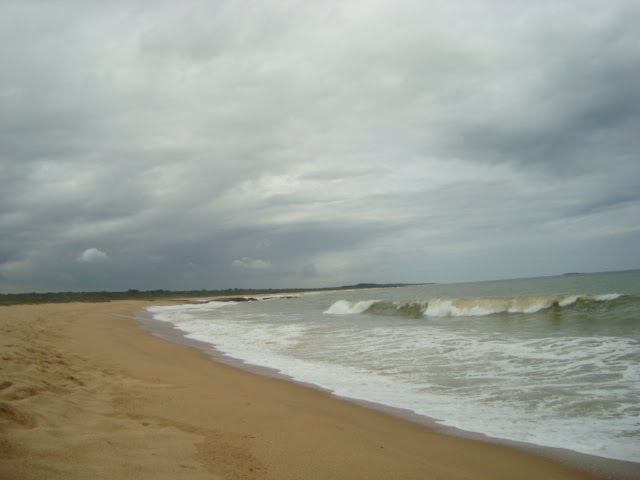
{"x": 88, "y": 394}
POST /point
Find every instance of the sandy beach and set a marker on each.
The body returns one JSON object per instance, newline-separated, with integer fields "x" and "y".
{"x": 86, "y": 392}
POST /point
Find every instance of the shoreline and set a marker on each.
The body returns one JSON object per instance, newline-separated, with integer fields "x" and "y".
{"x": 87, "y": 391}
{"x": 613, "y": 469}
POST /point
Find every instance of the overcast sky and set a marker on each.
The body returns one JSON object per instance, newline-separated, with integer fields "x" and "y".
{"x": 217, "y": 144}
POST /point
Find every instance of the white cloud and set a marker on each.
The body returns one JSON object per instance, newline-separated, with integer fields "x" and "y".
{"x": 251, "y": 263}
{"x": 93, "y": 255}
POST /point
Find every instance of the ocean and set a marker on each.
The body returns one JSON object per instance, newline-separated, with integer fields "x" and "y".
{"x": 549, "y": 361}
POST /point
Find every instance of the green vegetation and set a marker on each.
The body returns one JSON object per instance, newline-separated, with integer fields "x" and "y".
{"x": 62, "y": 297}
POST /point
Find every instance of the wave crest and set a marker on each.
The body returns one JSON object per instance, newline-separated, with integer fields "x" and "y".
{"x": 345, "y": 307}
{"x": 467, "y": 307}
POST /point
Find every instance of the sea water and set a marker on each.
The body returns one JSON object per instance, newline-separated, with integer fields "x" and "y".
{"x": 551, "y": 361}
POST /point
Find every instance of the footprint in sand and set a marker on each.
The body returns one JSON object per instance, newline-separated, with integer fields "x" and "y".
{"x": 17, "y": 392}
{"x": 10, "y": 413}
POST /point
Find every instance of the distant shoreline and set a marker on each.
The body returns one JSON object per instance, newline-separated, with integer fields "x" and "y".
{"x": 172, "y": 295}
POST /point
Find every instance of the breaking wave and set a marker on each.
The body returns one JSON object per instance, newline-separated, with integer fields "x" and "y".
{"x": 344, "y": 307}
{"x": 472, "y": 307}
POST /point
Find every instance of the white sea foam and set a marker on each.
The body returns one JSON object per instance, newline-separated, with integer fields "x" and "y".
{"x": 272, "y": 296}
{"x": 607, "y": 296}
{"x": 473, "y": 307}
{"x": 544, "y": 387}
{"x": 179, "y": 314}
{"x": 469, "y": 307}
{"x": 188, "y": 307}
{"x": 344, "y": 307}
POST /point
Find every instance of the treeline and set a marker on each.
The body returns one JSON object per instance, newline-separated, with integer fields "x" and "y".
{"x": 379, "y": 285}
{"x": 62, "y": 297}
{"x": 132, "y": 294}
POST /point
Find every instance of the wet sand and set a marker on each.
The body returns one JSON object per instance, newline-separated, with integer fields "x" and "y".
{"x": 88, "y": 393}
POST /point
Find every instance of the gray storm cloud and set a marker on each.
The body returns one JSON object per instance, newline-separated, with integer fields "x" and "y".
{"x": 381, "y": 141}
{"x": 251, "y": 263}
